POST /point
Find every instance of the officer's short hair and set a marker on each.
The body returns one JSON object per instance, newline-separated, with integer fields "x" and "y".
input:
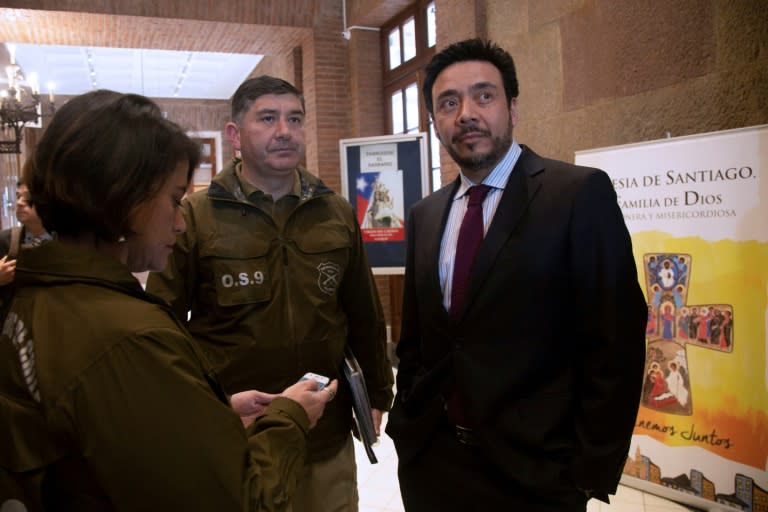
{"x": 252, "y": 88}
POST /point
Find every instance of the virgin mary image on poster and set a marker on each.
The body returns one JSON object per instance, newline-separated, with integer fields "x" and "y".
{"x": 380, "y": 206}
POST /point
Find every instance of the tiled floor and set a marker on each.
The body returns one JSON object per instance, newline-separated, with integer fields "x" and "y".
{"x": 377, "y": 483}
{"x": 379, "y": 491}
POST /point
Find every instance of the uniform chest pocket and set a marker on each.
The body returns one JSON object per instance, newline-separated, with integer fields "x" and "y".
{"x": 240, "y": 273}
{"x": 323, "y": 253}
{"x": 241, "y": 281}
{"x": 329, "y": 237}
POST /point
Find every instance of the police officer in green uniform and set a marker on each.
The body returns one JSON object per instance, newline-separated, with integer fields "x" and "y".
{"x": 273, "y": 276}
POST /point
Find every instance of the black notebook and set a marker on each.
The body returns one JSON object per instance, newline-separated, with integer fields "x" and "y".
{"x": 361, "y": 406}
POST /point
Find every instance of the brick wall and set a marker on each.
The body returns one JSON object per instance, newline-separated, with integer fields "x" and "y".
{"x": 326, "y": 91}
{"x": 365, "y": 80}
{"x": 597, "y": 73}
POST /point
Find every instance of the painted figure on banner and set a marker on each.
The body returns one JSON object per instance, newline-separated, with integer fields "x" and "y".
{"x": 668, "y": 323}
{"x": 673, "y": 325}
{"x": 678, "y": 296}
{"x": 682, "y": 269}
{"x": 715, "y": 325}
{"x": 667, "y": 271}
{"x": 676, "y": 384}
{"x": 652, "y": 266}
{"x": 682, "y": 323}
{"x": 650, "y": 327}
{"x": 656, "y": 295}
{"x": 380, "y": 206}
{"x": 655, "y": 385}
{"x": 692, "y": 322}
{"x": 667, "y": 275}
{"x": 726, "y": 329}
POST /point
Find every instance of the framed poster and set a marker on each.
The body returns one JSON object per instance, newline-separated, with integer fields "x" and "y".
{"x": 382, "y": 177}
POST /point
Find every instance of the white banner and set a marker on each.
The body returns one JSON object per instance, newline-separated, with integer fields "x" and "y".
{"x": 697, "y": 209}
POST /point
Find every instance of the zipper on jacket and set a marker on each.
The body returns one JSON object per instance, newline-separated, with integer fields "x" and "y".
{"x": 289, "y": 305}
{"x": 244, "y": 207}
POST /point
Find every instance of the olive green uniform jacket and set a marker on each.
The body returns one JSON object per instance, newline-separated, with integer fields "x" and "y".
{"x": 271, "y": 301}
{"x": 106, "y": 400}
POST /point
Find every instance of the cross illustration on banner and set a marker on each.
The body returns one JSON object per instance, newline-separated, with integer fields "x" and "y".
{"x": 672, "y": 326}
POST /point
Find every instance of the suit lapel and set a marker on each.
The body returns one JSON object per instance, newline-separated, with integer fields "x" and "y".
{"x": 522, "y": 186}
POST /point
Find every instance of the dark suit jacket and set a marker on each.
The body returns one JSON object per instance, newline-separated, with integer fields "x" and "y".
{"x": 549, "y": 351}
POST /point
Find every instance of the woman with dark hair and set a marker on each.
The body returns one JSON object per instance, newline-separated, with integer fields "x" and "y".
{"x": 105, "y": 400}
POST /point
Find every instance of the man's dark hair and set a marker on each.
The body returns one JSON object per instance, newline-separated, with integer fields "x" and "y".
{"x": 104, "y": 154}
{"x": 469, "y": 50}
{"x": 252, "y": 88}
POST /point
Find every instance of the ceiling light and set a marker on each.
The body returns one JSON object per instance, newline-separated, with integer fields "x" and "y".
{"x": 20, "y": 104}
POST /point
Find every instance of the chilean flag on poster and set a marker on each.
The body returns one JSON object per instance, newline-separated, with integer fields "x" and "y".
{"x": 379, "y": 206}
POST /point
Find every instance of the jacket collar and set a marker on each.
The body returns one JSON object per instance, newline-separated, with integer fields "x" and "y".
{"x": 225, "y": 185}
{"x": 55, "y": 263}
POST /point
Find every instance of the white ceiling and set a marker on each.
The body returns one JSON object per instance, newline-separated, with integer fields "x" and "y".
{"x": 154, "y": 73}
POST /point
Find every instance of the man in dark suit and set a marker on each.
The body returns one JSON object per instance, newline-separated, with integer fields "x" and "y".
{"x": 519, "y": 379}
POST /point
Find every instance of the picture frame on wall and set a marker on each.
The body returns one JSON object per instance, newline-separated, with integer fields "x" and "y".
{"x": 210, "y": 159}
{"x": 382, "y": 177}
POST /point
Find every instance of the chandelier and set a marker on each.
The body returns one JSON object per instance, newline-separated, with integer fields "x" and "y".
{"x": 19, "y": 104}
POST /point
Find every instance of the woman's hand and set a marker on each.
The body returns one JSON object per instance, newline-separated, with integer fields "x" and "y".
{"x": 249, "y": 405}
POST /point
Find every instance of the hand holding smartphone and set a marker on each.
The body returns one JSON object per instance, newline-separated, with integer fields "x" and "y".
{"x": 321, "y": 380}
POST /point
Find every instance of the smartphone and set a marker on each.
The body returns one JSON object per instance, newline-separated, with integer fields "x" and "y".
{"x": 321, "y": 380}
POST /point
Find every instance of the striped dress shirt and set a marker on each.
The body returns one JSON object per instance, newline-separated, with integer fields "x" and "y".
{"x": 497, "y": 180}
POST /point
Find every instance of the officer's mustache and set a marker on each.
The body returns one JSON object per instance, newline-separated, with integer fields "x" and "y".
{"x": 283, "y": 147}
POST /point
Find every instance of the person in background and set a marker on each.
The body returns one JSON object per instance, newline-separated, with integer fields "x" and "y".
{"x": 32, "y": 233}
{"x": 273, "y": 277}
{"x": 106, "y": 401}
{"x": 521, "y": 361}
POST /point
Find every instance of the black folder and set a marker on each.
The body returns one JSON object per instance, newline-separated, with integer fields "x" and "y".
{"x": 361, "y": 406}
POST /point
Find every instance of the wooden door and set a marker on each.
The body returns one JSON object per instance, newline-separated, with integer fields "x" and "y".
{"x": 206, "y": 169}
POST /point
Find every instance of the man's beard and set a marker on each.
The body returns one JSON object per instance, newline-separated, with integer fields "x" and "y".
{"x": 482, "y": 161}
